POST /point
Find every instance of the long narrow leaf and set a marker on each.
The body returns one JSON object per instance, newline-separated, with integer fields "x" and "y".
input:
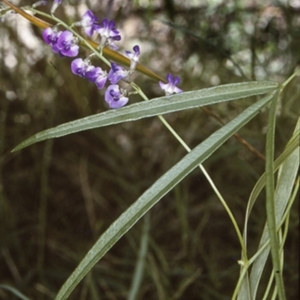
{"x": 162, "y": 186}
{"x": 288, "y": 174}
{"x": 291, "y": 146}
{"x": 270, "y": 199}
{"x": 156, "y": 107}
{"x": 288, "y": 161}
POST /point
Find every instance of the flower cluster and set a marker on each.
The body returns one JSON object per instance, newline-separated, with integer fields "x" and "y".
{"x": 114, "y": 96}
{"x": 66, "y": 44}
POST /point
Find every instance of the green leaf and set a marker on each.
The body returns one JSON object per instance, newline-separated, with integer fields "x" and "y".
{"x": 287, "y": 157}
{"x": 155, "y": 107}
{"x": 150, "y": 197}
{"x": 270, "y": 199}
{"x": 291, "y": 146}
{"x": 285, "y": 183}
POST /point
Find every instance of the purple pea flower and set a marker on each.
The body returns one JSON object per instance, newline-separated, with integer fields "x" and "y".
{"x": 79, "y": 67}
{"x": 108, "y": 33}
{"x": 89, "y": 23}
{"x": 170, "y": 87}
{"x": 83, "y": 68}
{"x": 134, "y": 57}
{"x": 98, "y": 76}
{"x": 55, "y": 5}
{"x": 50, "y": 37}
{"x": 117, "y": 73}
{"x": 115, "y": 97}
{"x": 67, "y": 44}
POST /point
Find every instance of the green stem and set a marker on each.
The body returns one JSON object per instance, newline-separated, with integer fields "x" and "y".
{"x": 290, "y": 79}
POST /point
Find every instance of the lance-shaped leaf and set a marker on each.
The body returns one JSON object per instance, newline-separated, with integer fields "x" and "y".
{"x": 156, "y": 107}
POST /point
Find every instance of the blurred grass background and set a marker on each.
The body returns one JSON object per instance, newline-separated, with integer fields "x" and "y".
{"x": 57, "y": 197}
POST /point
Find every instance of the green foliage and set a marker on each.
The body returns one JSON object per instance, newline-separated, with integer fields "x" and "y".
{"x": 155, "y": 193}
{"x": 72, "y": 205}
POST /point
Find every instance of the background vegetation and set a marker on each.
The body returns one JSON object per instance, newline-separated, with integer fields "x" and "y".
{"x": 57, "y": 197}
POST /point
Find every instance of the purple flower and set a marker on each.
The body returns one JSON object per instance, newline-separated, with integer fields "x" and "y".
{"x": 89, "y": 23}
{"x": 170, "y": 87}
{"x": 134, "y": 57}
{"x": 83, "y": 68}
{"x": 51, "y": 36}
{"x": 117, "y": 73}
{"x": 98, "y": 76}
{"x": 114, "y": 97}
{"x": 55, "y": 5}
{"x": 79, "y": 67}
{"x": 108, "y": 33}
{"x": 67, "y": 44}
{"x": 62, "y": 42}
